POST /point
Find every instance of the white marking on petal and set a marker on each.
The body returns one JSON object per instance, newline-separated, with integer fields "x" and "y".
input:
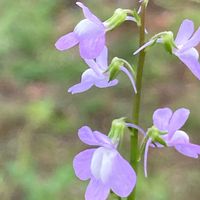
{"x": 102, "y": 162}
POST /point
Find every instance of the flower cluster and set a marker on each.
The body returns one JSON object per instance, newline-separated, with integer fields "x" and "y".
{"x": 103, "y": 165}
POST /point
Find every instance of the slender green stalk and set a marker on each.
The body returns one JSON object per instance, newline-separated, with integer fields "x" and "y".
{"x": 134, "y": 150}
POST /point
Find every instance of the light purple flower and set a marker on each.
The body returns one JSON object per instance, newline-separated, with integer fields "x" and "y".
{"x": 104, "y": 166}
{"x": 185, "y": 42}
{"x": 167, "y": 121}
{"x": 95, "y": 75}
{"x": 88, "y": 33}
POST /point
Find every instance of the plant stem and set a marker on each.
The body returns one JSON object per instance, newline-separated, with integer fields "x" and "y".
{"x": 137, "y": 100}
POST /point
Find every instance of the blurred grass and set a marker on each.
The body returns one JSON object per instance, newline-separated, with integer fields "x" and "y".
{"x": 39, "y": 120}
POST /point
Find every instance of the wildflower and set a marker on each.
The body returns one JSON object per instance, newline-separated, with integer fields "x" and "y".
{"x": 185, "y": 42}
{"x": 167, "y": 124}
{"x": 88, "y": 33}
{"x": 104, "y": 166}
{"x": 99, "y": 74}
{"x": 95, "y": 75}
{"x": 182, "y": 46}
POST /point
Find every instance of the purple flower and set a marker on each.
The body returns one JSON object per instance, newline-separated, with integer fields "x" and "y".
{"x": 88, "y": 33}
{"x": 185, "y": 42}
{"x": 167, "y": 121}
{"x": 96, "y": 75}
{"x": 104, "y": 166}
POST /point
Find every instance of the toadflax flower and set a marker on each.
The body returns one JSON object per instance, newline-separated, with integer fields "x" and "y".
{"x": 182, "y": 46}
{"x": 99, "y": 74}
{"x": 104, "y": 166}
{"x": 167, "y": 125}
{"x": 95, "y": 75}
{"x": 88, "y": 33}
{"x": 185, "y": 42}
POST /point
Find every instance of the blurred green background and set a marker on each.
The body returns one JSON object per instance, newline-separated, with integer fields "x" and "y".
{"x": 39, "y": 119}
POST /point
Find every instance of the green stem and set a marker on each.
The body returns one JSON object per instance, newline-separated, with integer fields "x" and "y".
{"x": 137, "y": 100}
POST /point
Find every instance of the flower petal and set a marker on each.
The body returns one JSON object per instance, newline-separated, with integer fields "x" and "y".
{"x": 104, "y": 140}
{"x": 181, "y": 143}
{"x": 193, "y": 41}
{"x": 96, "y": 190}
{"x": 190, "y": 59}
{"x": 87, "y": 81}
{"x": 66, "y": 41}
{"x": 93, "y": 65}
{"x": 178, "y": 119}
{"x": 86, "y": 136}
{"x": 102, "y": 59}
{"x": 105, "y": 83}
{"x": 96, "y": 138}
{"x": 185, "y": 32}
{"x": 90, "y": 48}
{"x": 161, "y": 118}
{"x": 88, "y": 14}
{"x": 80, "y": 87}
{"x": 190, "y": 150}
{"x": 102, "y": 163}
{"x": 179, "y": 137}
{"x": 87, "y": 29}
{"x": 123, "y": 177}
{"x": 81, "y": 164}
